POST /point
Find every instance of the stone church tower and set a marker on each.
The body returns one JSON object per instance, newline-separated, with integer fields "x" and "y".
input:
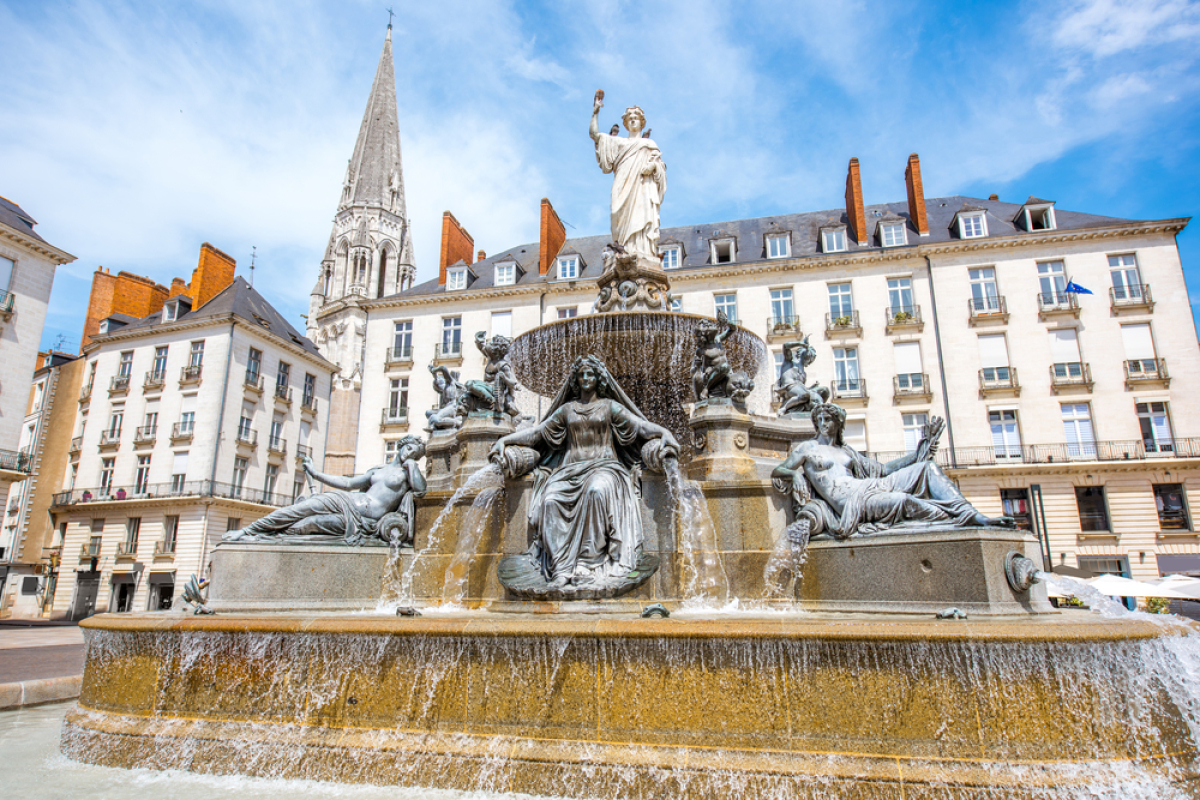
{"x": 369, "y": 255}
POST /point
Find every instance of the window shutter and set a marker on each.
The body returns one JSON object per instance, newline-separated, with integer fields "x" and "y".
{"x": 993, "y": 352}
{"x": 1139, "y": 343}
{"x": 908, "y": 357}
{"x": 1064, "y": 346}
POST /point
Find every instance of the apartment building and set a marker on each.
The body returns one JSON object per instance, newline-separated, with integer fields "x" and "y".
{"x": 1067, "y": 410}
{"x": 192, "y": 420}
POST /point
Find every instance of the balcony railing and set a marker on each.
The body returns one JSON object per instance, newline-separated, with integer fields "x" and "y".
{"x": 1146, "y": 370}
{"x": 118, "y": 383}
{"x": 988, "y": 308}
{"x": 1136, "y": 295}
{"x": 8, "y": 302}
{"x": 1127, "y": 450}
{"x": 308, "y": 403}
{"x": 85, "y": 394}
{"x": 254, "y": 381}
{"x": 88, "y": 550}
{"x": 146, "y": 433}
{"x": 843, "y": 323}
{"x": 277, "y": 444}
{"x": 182, "y": 430}
{"x": 1051, "y": 303}
{"x": 998, "y": 379}
{"x": 1070, "y": 373}
{"x": 127, "y": 549}
{"x": 154, "y": 380}
{"x": 303, "y": 451}
{"x": 162, "y": 548}
{"x": 394, "y": 415}
{"x": 849, "y": 389}
{"x": 781, "y": 327}
{"x": 15, "y": 461}
{"x": 247, "y": 436}
{"x": 447, "y": 351}
{"x": 76, "y": 444}
{"x": 110, "y": 438}
{"x": 283, "y": 393}
{"x": 903, "y": 318}
{"x": 190, "y": 374}
{"x": 153, "y": 491}
{"x": 912, "y": 384}
{"x": 399, "y": 355}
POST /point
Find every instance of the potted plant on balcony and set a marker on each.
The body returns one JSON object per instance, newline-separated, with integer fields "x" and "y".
{"x": 900, "y": 317}
{"x": 842, "y": 321}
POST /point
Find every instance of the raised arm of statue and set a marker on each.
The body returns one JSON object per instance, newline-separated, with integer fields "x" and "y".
{"x": 597, "y": 104}
{"x": 349, "y": 484}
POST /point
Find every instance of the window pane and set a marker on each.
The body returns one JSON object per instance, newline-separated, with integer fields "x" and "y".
{"x": 1093, "y": 513}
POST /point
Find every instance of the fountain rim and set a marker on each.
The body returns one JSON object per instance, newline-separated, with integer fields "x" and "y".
{"x": 890, "y": 628}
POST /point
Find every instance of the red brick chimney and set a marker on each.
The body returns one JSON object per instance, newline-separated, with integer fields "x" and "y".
{"x": 554, "y": 236}
{"x": 480, "y": 256}
{"x": 178, "y": 287}
{"x": 457, "y": 245}
{"x": 856, "y": 216}
{"x": 212, "y": 275}
{"x": 916, "y": 195}
{"x": 123, "y": 293}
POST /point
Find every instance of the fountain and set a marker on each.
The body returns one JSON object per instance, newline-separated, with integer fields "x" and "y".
{"x": 836, "y": 626}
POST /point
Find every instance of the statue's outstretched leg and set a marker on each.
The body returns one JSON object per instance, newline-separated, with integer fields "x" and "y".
{"x": 279, "y": 520}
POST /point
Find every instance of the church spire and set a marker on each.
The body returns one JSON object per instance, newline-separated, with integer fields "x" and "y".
{"x": 375, "y": 175}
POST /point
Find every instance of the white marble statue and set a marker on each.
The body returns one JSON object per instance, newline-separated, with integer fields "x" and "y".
{"x": 639, "y": 180}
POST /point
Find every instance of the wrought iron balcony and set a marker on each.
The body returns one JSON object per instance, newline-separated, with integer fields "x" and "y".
{"x": 988, "y": 309}
{"x": 253, "y": 381}
{"x": 283, "y": 393}
{"x": 110, "y": 438}
{"x": 904, "y": 318}
{"x": 1052, "y": 304}
{"x": 1146, "y": 370}
{"x": 394, "y": 415}
{"x": 842, "y": 324}
{"x": 784, "y": 328}
{"x": 152, "y": 491}
{"x": 190, "y": 374}
{"x": 302, "y": 452}
{"x": 277, "y": 444}
{"x": 162, "y": 548}
{"x": 448, "y": 351}
{"x": 1070, "y": 374}
{"x": 998, "y": 379}
{"x": 8, "y": 302}
{"x": 1134, "y": 297}
{"x": 118, "y": 384}
{"x": 127, "y": 549}
{"x": 76, "y": 444}
{"x": 1127, "y": 450}
{"x": 182, "y": 430}
{"x": 145, "y": 434}
{"x": 397, "y": 356}
{"x": 850, "y": 389}
{"x": 89, "y": 550}
{"x": 154, "y": 380}
{"x": 247, "y": 436}
{"x": 308, "y": 404}
{"x": 86, "y": 393}
{"x": 911, "y": 385}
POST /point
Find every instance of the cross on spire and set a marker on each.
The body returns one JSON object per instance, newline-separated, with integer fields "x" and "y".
{"x": 390, "y": 15}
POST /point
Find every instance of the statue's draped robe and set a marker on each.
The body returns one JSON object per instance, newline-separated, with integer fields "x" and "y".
{"x": 636, "y": 198}
{"x": 585, "y": 511}
{"x": 327, "y": 515}
{"x": 914, "y": 496}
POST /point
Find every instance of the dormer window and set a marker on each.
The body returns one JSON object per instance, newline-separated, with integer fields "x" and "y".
{"x": 103, "y": 327}
{"x": 456, "y": 279}
{"x": 892, "y": 234}
{"x": 506, "y": 274}
{"x": 672, "y": 256}
{"x": 568, "y": 268}
{"x": 778, "y": 245}
{"x": 833, "y": 240}
{"x": 1039, "y": 219}
{"x": 724, "y": 251}
{"x": 973, "y": 225}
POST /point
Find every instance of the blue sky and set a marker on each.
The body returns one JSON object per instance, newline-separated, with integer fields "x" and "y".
{"x": 133, "y": 132}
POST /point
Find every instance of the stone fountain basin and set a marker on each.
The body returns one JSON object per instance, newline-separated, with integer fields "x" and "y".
{"x": 619, "y": 707}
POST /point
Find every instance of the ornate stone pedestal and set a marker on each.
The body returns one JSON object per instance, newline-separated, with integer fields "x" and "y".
{"x": 441, "y": 460}
{"x": 475, "y": 438}
{"x": 633, "y": 283}
{"x": 296, "y": 577}
{"x": 722, "y": 438}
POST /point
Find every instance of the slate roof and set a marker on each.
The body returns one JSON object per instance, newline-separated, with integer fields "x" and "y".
{"x": 15, "y": 217}
{"x": 805, "y": 242}
{"x": 244, "y": 302}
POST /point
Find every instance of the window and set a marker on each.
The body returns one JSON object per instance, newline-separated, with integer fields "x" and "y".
{"x": 1006, "y": 436}
{"x": 391, "y": 449}
{"x": 568, "y": 313}
{"x": 456, "y": 279}
{"x": 985, "y": 297}
{"x": 283, "y": 376}
{"x": 298, "y": 486}
{"x": 133, "y": 526}
{"x": 196, "y": 358}
{"x": 1093, "y": 511}
{"x": 845, "y": 369}
{"x": 1077, "y": 427}
{"x": 150, "y": 424}
{"x": 114, "y": 424}
{"x": 1039, "y": 219}
{"x": 909, "y": 372}
{"x": 670, "y": 257}
{"x": 398, "y": 397}
{"x": 724, "y": 251}
{"x": 676, "y": 304}
{"x": 502, "y": 323}
{"x": 1064, "y": 352}
{"x": 239, "y": 475}
{"x": 1126, "y": 278}
{"x": 914, "y": 426}
{"x": 779, "y": 245}
{"x": 179, "y": 471}
{"x": 1172, "y": 512}
{"x": 244, "y": 428}
{"x": 782, "y": 308}
{"x": 276, "y": 433}
{"x": 1053, "y": 281}
{"x": 726, "y": 303}
{"x": 106, "y": 475}
{"x": 568, "y": 268}
{"x": 1015, "y": 504}
{"x": 170, "y": 533}
{"x": 841, "y": 303}
{"x": 233, "y": 523}
{"x": 451, "y": 335}
{"x": 6, "y": 272}
{"x": 993, "y": 357}
{"x": 893, "y": 234}
{"x": 1156, "y": 427}
{"x": 506, "y": 274}
{"x": 900, "y": 296}
{"x": 833, "y": 241}
{"x": 187, "y": 420}
{"x": 142, "y": 479}
{"x": 855, "y": 434}
{"x": 972, "y": 226}
{"x": 778, "y": 358}
{"x": 310, "y": 389}
{"x": 170, "y": 311}
{"x": 253, "y": 366}
{"x": 126, "y": 365}
{"x": 160, "y": 362}
{"x": 1140, "y": 356}
{"x": 269, "y": 482}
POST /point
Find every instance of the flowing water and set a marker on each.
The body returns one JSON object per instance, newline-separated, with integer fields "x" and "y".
{"x": 470, "y": 531}
{"x": 704, "y": 582}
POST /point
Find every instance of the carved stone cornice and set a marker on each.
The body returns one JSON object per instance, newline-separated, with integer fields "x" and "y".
{"x": 41, "y": 248}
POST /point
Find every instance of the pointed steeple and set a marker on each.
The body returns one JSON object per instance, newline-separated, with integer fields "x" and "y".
{"x": 375, "y": 175}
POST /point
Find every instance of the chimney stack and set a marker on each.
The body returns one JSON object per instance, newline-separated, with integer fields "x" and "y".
{"x": 212, "y": 275}
{"x": 553, "y": 237}
{"x": 916, "y": 195}
{"x": 480, "y": 256}
{"x": 457, "y": 245}
{"x": 856, "y": 216}
{"x": 123, "y": 293}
